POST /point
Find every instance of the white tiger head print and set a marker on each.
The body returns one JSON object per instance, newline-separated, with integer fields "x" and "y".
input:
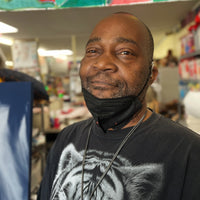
{"x": 123, "y": 181}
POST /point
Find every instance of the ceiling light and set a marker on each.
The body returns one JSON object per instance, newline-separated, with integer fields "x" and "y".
{"x": 43, "y": 52}
{"x": 6, "y": 41}
{"x": 61, "y": 57}
{"x": 5, "y": 28}
{"x": 9, "y": 63}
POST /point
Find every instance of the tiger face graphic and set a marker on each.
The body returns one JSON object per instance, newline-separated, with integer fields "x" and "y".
{"x": 123, "y": 180}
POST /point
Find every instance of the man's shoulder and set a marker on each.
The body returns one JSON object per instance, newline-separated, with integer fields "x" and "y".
{"x": 72, "y": 132}
{"x": 79, "y": 124}
{"x": 75, "y": 127}
{"x": 177, "y": 129}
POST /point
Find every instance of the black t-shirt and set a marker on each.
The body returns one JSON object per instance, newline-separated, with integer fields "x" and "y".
{"x": 160, "y": 161}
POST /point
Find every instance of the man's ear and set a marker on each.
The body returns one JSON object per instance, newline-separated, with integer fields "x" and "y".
{"x": 153, "y": 75}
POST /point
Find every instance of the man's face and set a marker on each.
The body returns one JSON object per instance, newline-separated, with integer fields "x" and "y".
{"x": 116, "y": 60}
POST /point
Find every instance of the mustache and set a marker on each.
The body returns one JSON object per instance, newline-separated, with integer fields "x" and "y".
{"x": 105, "y": 77}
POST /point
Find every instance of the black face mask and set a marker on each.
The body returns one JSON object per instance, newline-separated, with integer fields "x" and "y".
{"x": 112, "y": 112}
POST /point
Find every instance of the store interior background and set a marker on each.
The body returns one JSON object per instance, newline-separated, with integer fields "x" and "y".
{"x": 69, "y": 29}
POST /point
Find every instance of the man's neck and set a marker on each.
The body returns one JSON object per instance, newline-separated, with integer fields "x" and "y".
{"x": 138, "y": 116}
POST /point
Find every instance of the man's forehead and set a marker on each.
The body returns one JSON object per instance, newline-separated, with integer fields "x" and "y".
{"x": 127, "y": 26}
{"x": 119, "y": 28}
{"x": 119, "y": 23}
{"x": 115, "y": 39}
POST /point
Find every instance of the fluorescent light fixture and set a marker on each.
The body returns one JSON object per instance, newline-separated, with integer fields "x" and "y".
{"x": 5, "y": 28}
{"x": 9, "y": 63}
{"x": 66, "y": 52}
{"x": 6, "y": 41}
{"x": 61, "y": 57}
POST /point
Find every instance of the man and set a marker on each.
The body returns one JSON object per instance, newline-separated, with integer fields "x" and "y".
{"x": 126, "y": 152}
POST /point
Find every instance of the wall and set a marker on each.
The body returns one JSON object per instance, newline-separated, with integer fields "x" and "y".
{"x": 164, "y": 42}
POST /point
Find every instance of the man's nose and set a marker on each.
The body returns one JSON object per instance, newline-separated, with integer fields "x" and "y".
{"x": 106, "y": 62}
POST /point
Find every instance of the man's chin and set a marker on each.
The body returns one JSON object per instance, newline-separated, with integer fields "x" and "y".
{"x": 104, "y": 94}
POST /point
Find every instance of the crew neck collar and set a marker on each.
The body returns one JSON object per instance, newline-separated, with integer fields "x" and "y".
{"x": 120, "y": 133}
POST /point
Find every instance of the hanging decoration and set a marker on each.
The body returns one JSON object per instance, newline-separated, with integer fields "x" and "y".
{"x": 47, "y": 1}
{"x": 123, "y": 2}
{"x": 24, "y": 4}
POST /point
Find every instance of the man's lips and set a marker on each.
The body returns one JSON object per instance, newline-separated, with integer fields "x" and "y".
{"x": 102, "y": 83}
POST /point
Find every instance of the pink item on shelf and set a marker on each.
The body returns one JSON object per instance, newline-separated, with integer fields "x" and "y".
{"x": 56, "y": 123}
{"x": 197, "y": 18}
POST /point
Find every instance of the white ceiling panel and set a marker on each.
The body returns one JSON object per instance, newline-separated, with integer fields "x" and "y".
{"x": 53, "y": 28}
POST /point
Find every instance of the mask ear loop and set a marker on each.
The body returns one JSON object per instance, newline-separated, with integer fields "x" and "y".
{"x": 147, "y": 80}
{"x": 151, "y": 68}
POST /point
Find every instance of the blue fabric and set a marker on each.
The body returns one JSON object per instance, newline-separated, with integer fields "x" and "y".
{"x": 15, "y": 139}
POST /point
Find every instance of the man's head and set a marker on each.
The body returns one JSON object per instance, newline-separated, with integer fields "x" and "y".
{"x": 118, "y": 58}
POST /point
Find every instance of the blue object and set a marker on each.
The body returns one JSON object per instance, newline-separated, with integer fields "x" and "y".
{"x": 15, "y": 140}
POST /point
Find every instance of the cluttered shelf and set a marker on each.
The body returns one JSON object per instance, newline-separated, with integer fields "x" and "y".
{"x": 190, "y": 55}
{"x": 189, "y": 73}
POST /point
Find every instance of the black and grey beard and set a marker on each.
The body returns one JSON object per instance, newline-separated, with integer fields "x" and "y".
{"x": 121, "y": 87}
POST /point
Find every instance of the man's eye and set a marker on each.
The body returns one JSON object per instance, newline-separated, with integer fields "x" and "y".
{"x": 126, "y": 53}
{"x": 91, "y": 51}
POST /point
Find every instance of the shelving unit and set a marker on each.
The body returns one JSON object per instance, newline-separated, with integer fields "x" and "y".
{"x": 185, "y": 85}
{"x": 190, "y": 55}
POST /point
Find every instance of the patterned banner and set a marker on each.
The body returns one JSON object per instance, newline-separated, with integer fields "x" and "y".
{"x": 122, "y": 2}
{"x": 27, "y": 4}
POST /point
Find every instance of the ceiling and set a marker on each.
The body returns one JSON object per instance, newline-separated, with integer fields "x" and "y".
{"x": 53, "y": 29}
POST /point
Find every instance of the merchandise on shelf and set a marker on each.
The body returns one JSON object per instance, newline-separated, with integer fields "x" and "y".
{"x": 197, "y": 32}
{"x": 189, "y": 69}
{"x": 186, "y": 86}
{"x": 191, "y": 42}
{"x": 187, "y": 44}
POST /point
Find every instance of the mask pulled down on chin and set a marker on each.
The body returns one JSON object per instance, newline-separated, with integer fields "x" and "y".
{"x": 112, "y": 112}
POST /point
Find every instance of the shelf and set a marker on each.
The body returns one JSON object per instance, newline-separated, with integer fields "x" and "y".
{"x": 189, "y": 55}
{"x": 189, "y": 80}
